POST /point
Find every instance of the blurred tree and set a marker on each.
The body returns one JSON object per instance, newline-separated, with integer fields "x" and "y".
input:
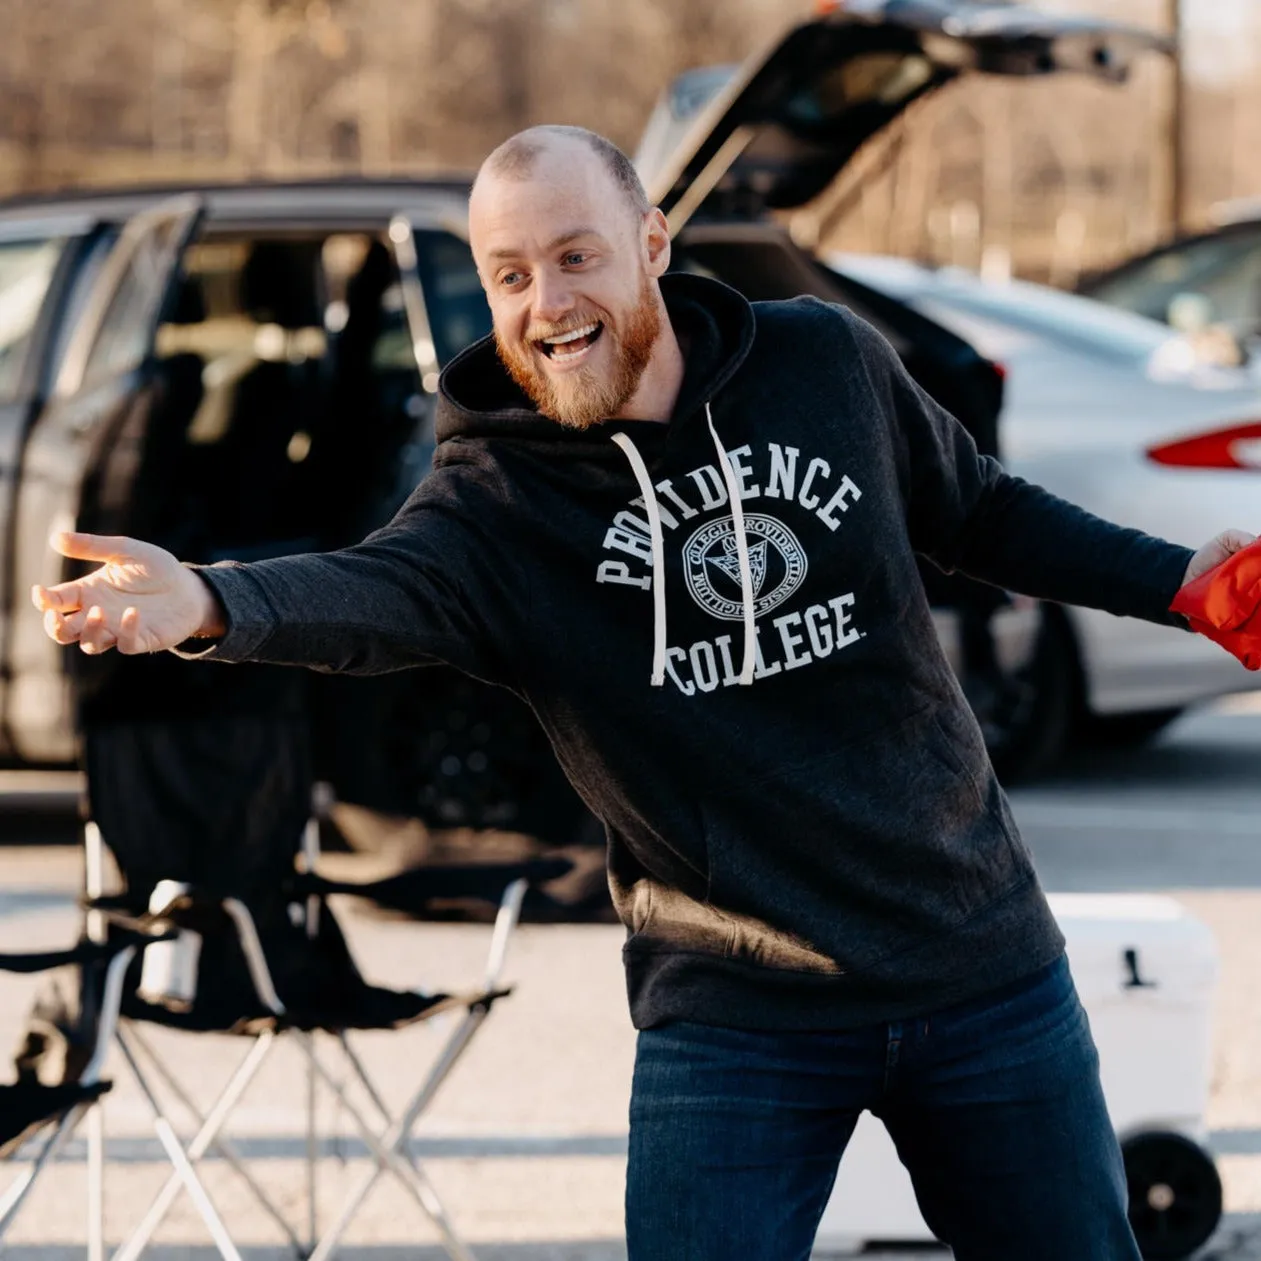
{"x": 213, "y": 89}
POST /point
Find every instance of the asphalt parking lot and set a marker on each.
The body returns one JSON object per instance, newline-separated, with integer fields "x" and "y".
{"x": 527, "y": 1141}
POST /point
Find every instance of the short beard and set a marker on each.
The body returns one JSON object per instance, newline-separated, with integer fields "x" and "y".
{"x": 587, "y": 399}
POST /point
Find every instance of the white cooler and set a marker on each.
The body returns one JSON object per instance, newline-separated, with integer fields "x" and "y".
{"x": 1146, "y": 972}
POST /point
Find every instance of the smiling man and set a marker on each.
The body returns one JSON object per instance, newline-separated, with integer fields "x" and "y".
{"x": 685, "y": 529}
{"x": 580, "y": 341}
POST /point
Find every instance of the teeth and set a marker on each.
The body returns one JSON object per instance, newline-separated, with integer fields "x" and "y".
{"x": 585, "y": 331}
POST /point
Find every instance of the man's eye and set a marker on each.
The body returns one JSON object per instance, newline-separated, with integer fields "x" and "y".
{"x": 576, "y": 259}
{"x": 510, "y": 278}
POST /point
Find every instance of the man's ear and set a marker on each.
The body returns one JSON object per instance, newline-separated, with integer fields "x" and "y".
{"x": 656, "y": 243}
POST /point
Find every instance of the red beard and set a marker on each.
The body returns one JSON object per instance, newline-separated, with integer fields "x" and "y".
{"x": 584, "y": 399}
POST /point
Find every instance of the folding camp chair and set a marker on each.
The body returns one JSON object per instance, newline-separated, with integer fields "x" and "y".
{"x": 334, "y": 1011}
{"x": 29, "y": 1108}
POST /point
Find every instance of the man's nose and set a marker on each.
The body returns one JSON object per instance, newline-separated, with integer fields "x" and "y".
{"x": 553, "y": 298}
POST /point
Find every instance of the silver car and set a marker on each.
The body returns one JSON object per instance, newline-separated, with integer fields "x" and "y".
{"x": 1123, "y": 416}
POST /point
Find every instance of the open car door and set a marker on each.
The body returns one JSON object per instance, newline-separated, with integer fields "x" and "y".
{"x": 97, "y": 414}
{"x": 432, "y": 744}
{"x": 41, "y": 263}
{"x": 772, "y": 132}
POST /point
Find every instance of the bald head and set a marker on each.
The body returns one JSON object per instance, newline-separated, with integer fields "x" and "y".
{"x": 519, "y": 157}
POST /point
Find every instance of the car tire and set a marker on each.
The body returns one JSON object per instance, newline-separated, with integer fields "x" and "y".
{"x": 1027, "y": 719}
{"x": 1125, "y": 731}
{"x": 1175, "y": 1194}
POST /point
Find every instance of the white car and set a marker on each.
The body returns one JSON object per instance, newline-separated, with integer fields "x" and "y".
{"x": 1119, "y": 414}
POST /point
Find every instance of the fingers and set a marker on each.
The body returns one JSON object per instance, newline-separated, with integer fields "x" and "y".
{"x": 63, "y": 628}
{"x": 89, "y": 629}
{"x": 96, "y": 635}
{"x": 129, "y": 639}
{"x": 98, "y": 547}
{"x": 69, "y": 629}
{"x": 65, "y": 598}
{"x": 1236, "y": 540}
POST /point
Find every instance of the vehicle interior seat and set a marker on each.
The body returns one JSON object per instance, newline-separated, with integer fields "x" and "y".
{"x": 373, "y": 454}
{"x": 139, "y": 484}
{"x": 265, "y": 501}
{"x": 165, "y": 490}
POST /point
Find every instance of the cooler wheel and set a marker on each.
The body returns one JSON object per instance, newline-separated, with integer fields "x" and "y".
{"x": 1175, "y": 1194}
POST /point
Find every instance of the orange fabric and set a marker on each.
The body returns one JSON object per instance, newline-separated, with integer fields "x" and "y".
{"x": 1224, "y": 605}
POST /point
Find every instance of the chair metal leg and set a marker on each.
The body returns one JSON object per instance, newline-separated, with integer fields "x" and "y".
{"x": 364, "y": 1080}
{"x": 20, "y": 1187}
{"x": 361, "y": 1074}
{"x": 412, "y": 1179}
{"x": 179, "y": 1160}
{"x": 312, "y": 1145}
{"x": 402, "y": 1145}
{"x": 96, "y": 1183}
{"x": 95, "y": 930}
{"x": 386, "y": 1147}
{"x": 206, "y": 1137}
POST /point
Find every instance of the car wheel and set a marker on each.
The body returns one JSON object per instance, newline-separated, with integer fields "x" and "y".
{"x": 1175, "y": 1194}
{"x": 1122, "y": 731}
{"x": 1026, "y": 716}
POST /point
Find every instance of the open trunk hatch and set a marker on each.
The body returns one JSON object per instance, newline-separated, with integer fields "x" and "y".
{"x": 774, "y": 131}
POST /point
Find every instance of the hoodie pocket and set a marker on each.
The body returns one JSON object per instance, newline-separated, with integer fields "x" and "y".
{"x": 960, "y": 746}
{"x": 867, "y": 850}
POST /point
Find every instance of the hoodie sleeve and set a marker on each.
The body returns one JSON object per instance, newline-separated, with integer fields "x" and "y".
{"x": 965, "y": 513}
{"x": 437, "y": 584}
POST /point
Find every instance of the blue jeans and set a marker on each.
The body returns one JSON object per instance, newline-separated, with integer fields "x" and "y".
{"x": 995, "y": 1108}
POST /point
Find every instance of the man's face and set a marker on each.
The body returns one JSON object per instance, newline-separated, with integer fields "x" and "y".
{"x": 569, "y": 271}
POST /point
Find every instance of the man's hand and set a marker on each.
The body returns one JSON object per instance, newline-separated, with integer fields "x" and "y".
{"x": 1223, "y": 547}
{"x": 141, "y": 599}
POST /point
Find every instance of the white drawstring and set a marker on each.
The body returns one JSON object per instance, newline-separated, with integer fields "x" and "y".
{"x": 640, "y": 469}
{"x": 649, "y": 494}
{"x": 742, "y": 554}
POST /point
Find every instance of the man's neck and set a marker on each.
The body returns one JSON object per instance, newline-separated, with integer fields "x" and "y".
{"x": 662, "y": 379}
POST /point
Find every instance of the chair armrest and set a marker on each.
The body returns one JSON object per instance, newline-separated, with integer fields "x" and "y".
{"x": 412, "y": 891}
{"x": 77, "y": 956}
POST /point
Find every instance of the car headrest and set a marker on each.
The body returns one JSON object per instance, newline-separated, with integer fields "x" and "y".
{"x": 190, "y": 303}
{"x": 278, "y": 284}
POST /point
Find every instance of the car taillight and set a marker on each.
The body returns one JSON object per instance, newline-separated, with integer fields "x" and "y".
{"x": 1238, "y": 447}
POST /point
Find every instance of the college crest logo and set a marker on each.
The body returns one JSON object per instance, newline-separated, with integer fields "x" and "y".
{"x": 712, "y": 565}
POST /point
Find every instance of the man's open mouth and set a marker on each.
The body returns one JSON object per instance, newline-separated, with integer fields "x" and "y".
{"x": 567, "y": 345}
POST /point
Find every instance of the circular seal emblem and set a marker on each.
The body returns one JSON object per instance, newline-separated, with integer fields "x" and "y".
{"x": 712, "y": 565}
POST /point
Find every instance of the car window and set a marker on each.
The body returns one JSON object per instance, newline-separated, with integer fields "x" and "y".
{"x": 86, "y": 273}
{"x": 393, "y": 350}
{"x": 26, "y": 271}
{"x": 1225, "y": 270}
{"x": 127, "y": 329}
{"x": 458, "y": 312}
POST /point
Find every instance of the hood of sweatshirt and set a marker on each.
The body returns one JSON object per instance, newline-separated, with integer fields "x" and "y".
{"x": 479, "y": 399}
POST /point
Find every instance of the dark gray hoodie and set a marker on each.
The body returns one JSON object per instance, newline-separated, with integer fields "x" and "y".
{"x": 720, "y": 625}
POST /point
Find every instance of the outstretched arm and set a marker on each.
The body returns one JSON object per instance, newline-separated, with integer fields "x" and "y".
{"x": 966, "y": 513}
{"x": 439, "y": 583}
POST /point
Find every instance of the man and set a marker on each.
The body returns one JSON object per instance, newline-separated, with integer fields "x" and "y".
{"x": 683, "y": 528}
